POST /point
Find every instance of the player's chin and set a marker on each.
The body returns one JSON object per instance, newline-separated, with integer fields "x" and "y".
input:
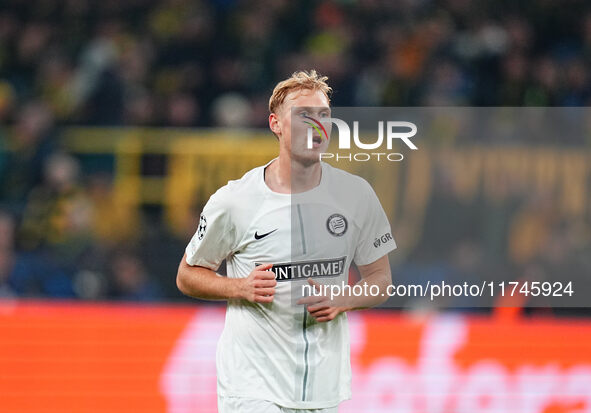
{"x": 307, "y": 157}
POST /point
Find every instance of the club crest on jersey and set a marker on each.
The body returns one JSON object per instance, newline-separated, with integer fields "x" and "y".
{"x": 337, "y": 225}
{"x": 202, "y": 227}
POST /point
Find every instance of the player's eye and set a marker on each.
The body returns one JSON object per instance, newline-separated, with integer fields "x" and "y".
{"x": 324, "y": 115}
{"x": 303, "y": 114}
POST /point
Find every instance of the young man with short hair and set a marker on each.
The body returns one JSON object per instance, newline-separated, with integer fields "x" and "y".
{"x": 293, "y": 221}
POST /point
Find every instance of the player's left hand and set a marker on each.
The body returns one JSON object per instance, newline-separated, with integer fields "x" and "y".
{"x": 320, "y": 307}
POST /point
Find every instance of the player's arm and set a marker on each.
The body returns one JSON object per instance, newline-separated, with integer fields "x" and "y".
{"x": 201, "y": 282}
{"x": 214, "y": 241}
{"x": 374, "y": 227}
{"x": 377, "y": 273}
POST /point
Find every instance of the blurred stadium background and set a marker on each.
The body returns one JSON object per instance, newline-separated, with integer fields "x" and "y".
{"x": 118, "y": 119}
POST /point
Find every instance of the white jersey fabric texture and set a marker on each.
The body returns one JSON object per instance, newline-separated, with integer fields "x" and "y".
{"x": 276, "y": 351}
{"x": 245, "y": 405}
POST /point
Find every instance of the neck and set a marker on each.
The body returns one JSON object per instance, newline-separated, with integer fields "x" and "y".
{"x": 288, "y": 176}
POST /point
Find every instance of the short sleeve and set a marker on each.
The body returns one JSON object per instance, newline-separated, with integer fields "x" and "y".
{"x": 215, "y": 236}
{"x": 376, "y": 238}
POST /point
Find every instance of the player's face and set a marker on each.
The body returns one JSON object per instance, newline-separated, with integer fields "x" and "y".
{"x": 302, "y": 110}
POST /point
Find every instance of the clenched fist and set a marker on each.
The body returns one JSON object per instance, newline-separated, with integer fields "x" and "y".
{"x": 259, "y": 286}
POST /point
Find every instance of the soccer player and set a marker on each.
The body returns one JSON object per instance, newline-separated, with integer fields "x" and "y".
{"x": 293, "y": 221}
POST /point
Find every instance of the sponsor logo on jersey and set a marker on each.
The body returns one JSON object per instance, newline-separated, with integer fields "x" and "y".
{"x": 337, "y": 225}
{"x": 306, "y": 269}
{"x": 382, "y": 240}
{"x": 257, "y": 236}
{"x": 202, "y": 227}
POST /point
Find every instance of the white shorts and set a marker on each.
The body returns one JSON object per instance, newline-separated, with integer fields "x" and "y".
{"x": 246, "y": 405}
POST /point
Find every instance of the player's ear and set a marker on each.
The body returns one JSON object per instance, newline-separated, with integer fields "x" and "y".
{"x": 274, "y": 124}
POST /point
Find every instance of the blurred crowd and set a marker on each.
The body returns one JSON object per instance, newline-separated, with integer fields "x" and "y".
{"x": 524, "y": 237}
{"x": 210, "y": 63}
{"x": 54, "y": 244}
{"x": 197, "y": 63}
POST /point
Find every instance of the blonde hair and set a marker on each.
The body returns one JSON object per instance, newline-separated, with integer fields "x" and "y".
{"x": 299, "y": 80}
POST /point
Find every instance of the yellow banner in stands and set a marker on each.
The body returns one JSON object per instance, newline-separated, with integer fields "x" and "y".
{"x": 198, "y": 162}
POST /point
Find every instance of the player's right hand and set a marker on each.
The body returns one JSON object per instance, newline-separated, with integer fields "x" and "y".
{"x": 259, "y": 286}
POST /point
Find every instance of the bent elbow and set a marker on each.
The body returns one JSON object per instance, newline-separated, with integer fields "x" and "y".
{"x": 181, "y": 280}
{"x": 382, "y": 300}
{"x": 180, "y": 283}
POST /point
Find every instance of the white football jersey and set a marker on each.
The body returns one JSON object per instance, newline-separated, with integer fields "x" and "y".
{"x": 277, "y": 351}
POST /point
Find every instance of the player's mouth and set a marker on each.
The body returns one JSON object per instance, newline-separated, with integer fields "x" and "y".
{"x": 316, "y": 141}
